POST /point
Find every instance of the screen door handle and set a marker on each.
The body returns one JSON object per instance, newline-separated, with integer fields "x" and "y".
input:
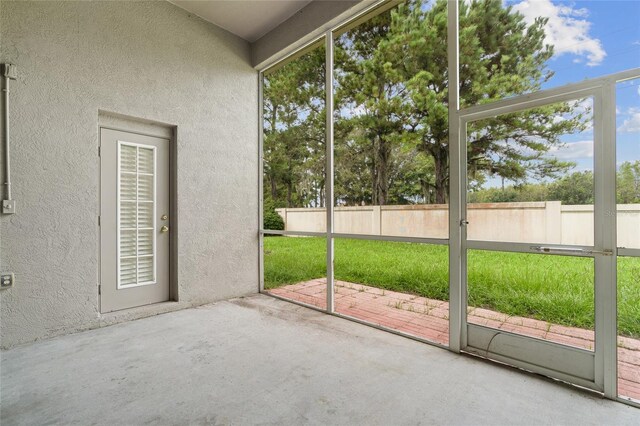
{"x": 545, "y": 249}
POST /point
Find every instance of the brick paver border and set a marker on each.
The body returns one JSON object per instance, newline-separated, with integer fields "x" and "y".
{"x": 429, "y": 319}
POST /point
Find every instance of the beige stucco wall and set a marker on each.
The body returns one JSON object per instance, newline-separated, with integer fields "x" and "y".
{"x": 547, "y": 222}
{"x": 143, "y": 59}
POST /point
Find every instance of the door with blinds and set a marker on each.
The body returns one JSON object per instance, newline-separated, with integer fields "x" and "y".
{"x": 134, "y": 220}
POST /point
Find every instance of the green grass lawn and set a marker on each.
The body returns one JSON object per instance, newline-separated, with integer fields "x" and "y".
{"x": 557, "y": 289}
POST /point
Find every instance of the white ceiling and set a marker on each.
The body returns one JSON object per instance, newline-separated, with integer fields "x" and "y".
{"x": 249, "y": 19}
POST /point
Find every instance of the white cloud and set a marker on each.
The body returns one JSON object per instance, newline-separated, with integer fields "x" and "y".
{"x": 567, "y": 29}
{"x": 573, "y": 151}
{"x": 631, "y": 124}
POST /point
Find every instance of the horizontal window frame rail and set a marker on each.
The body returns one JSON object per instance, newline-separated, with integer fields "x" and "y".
{"x": 628, "y": 252}
{"x": 523, "y": 103}
{"x": 389, "y": 238}
{"x": 293, "y": 233}
{"x": 543, "y": 97}
{"x": 510, "y": 247}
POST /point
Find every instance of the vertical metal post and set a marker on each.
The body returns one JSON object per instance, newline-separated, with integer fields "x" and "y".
{"x": 605, "y": 239}
{"x": 329, "y": 166}
{"x": 7, "y": 144}
{"x": 260, "y": 182}
{"x": 456, "y": 167}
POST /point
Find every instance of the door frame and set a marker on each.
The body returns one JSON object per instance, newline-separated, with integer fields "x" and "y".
{"x": 604, "y": 356}
{"x": 144, "y": 127}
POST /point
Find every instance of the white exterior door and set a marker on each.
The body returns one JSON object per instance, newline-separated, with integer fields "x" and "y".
{"x": 134, "y": 220}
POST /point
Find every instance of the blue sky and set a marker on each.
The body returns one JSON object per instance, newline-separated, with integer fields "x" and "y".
{"x": 591, "y": 39}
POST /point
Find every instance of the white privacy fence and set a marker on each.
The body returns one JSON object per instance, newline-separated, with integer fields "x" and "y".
{"x": 547, "y": 222}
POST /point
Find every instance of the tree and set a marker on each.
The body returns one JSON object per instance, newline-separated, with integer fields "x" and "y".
{"x": 294, "y": 146}
{"x": 512, "y": 194}
{"x": 396, "y": 75}
{"x": 392, "y": 135}
{"x": 576, "y": 188}
{"x": 371, "y": 91}
{"x": 628, "y": 183}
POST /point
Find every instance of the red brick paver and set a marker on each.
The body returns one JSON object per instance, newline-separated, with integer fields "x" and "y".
{"x": 429, "y": 319}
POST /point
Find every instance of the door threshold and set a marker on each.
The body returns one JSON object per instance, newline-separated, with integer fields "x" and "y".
{"x": 138, "y": 312}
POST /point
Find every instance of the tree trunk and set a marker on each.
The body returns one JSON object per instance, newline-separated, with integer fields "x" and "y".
{"x": 274, "y": 189}
{"x": 440, "y": 158}
{"x": 374, "y": 174}
{"x": 381, "y": 178}
{"x": 382, "y": 185}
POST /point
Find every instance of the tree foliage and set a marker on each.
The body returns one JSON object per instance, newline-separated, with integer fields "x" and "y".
{"x": 574, "y": 188}
{"x": 294, "y": 140}
{"x": 391, "y": 102}
{"x": 628, "y": 183}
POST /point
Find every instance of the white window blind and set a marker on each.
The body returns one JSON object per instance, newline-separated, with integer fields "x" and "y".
{"x": 136, "y": 217}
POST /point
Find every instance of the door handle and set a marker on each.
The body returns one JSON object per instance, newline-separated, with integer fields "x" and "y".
{"x": 164, "y": 228}
{"x": 544, "y": 249}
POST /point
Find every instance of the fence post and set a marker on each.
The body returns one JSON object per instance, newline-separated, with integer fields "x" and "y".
{"x": 553, "y": 222}
{"x": 376, "y": 220}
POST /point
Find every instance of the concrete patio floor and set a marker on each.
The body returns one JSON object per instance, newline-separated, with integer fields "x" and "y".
{"x": 260, "y": 360}
{"x": 429, "y": 319}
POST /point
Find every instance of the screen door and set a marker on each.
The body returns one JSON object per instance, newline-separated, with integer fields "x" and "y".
{"x": 551, "y": 259}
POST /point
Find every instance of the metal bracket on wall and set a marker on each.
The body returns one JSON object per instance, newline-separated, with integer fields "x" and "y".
{"x": 7, "y": 280}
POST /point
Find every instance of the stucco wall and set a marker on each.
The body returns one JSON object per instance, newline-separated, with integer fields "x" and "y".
{"x": 142, "y": 59}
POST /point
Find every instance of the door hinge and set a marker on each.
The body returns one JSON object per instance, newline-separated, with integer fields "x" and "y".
{"x": 98, "y": 220}
{"x": 98, "y": 150}
{"x": 99, "y": 289}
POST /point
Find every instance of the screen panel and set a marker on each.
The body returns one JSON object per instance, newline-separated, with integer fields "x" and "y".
{"x": 391, "y": 124}
{"x": 295, "y": 268}
{"x": 397, "y": 285}
{"x": 294, "y": 148}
